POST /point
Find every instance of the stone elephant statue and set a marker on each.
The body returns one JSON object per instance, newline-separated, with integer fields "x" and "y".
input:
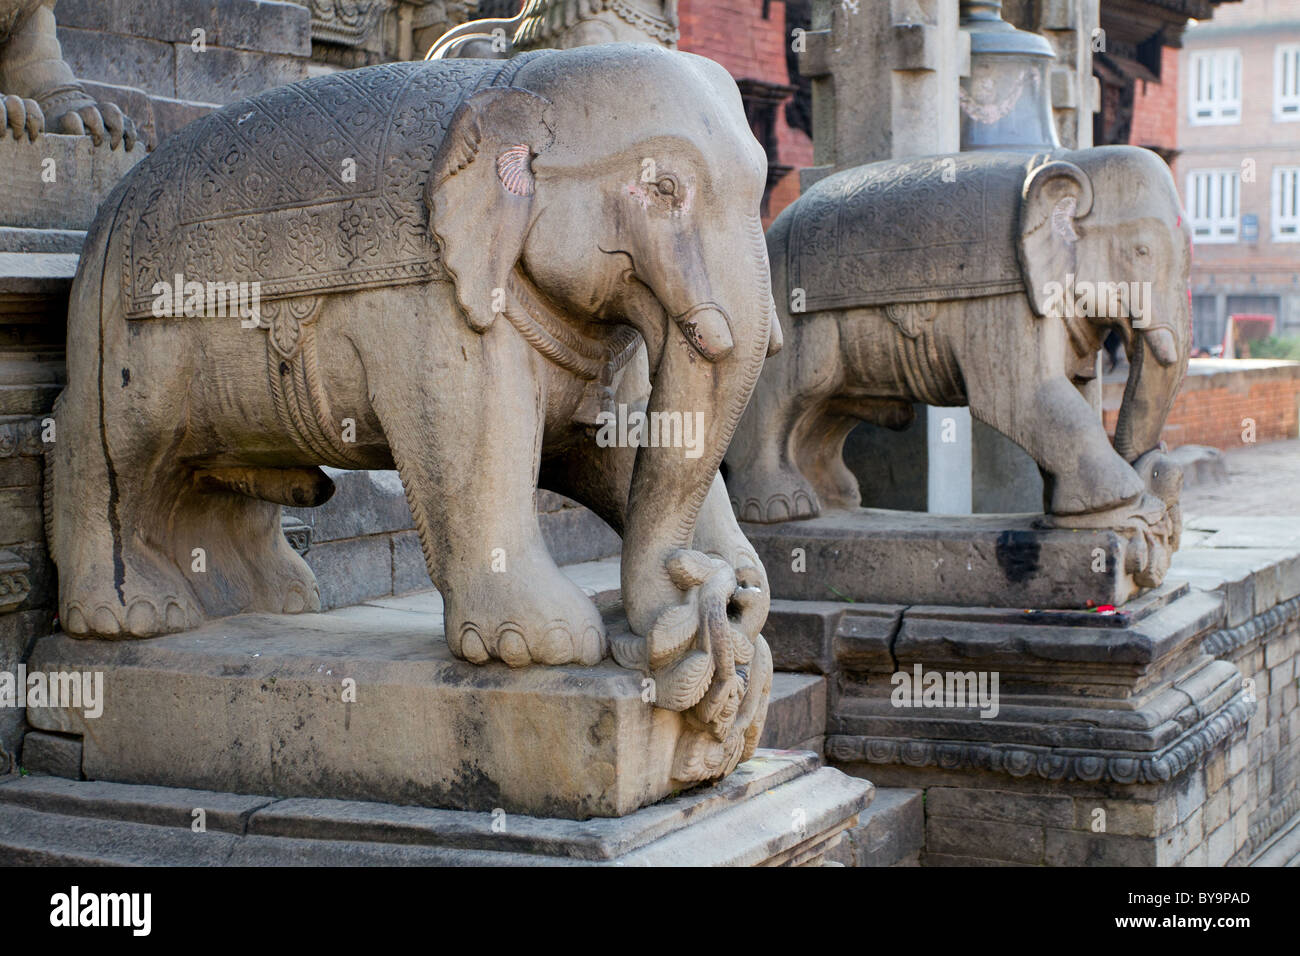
{"x": 38, "y": 91}
{"x": 984, "y": 279}
{"x": 462, "y": 269}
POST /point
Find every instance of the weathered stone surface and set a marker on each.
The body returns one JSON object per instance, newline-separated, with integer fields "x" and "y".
{"x": 1201, "y": 465}
{"x": 745, "y": 820}
{"x": 796, "y": 711}
{"x": 148, "y": 65}
{"x": 218, "y": 75}
{"x": 53, "y": 754}
{"x": 84, "y": 175}
{"x": 897, "y": 557}
{"x": 890, "y": 832}
{"x": 268, "y": 27}
{"x": 263, "y": 710}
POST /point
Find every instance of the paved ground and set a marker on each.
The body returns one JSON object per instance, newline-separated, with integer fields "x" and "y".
{"x": 1263, "y": 480}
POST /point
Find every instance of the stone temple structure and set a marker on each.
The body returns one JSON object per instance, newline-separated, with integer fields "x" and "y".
{"x": 635, "y": 656}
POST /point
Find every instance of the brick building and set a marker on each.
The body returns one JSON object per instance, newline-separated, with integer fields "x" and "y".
{"x": 1239, "y": 164}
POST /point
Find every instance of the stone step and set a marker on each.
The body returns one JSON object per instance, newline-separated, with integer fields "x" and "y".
{"x": 796, "y": 713}
{"x": 744, "y": 820}
{"x": 1283, "y": 848}
{"x": 891, "y": 832}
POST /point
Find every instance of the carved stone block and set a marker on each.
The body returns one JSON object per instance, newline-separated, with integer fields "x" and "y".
{"x": 366, "y": 703}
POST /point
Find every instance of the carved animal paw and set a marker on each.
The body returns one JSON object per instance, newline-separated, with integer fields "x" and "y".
{"x": 99, "y": 121}
{"x": 705, "y": 666}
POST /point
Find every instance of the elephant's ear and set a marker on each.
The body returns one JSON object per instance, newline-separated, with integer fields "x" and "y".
{"x": 1056, "y": 195}
{"x": 481, "y": 194}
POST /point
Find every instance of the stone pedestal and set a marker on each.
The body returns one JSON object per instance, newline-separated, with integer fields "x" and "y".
{"x": 58, "y": 182}
{"x": 778, "y": 809}
{"x": 1048, "y": 737}
{"x": 364, "y": 703}
{"x": 898, "y": 557}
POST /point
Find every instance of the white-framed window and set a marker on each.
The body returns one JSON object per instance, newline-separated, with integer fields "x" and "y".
{"x": 1215, "y": 92}
{"x": 1286, "y": 203}
{"x": 1286, "y": 83}
{"x": 1212, "y": 204}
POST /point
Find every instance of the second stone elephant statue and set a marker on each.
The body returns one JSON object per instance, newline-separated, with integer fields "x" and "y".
{"x": 984, "y": 279}
{"x": 458, "y": 269}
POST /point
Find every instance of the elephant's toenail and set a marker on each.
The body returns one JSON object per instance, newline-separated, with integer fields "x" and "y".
{"x": 472, "y": 647}
{"x": 512, "y": 648}
{"x": 105, "y": 621}
{"x": 593, "y": 646}
{"x": 74, "y": 621}
{"x": 295, "y": 602}
{"x": 176, "y": 617}
{"x": 142, "y": 618}
{"x": 555, "y": 647}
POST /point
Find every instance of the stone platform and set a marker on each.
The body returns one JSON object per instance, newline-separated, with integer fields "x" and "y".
{"x": 778, "y": 809}
{"x": 364, "y": 703}
{"x": 904, "y": 557}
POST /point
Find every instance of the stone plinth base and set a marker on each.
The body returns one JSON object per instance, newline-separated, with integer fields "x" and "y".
{"x": 364, "y": 703}
{"x": 1040, "y": 737}
{"x": 58, "y": 182}
{"x": 904, "y": 557}
{"x": 777, "y": 809}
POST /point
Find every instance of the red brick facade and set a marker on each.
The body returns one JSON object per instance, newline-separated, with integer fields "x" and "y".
{"x": 736, "y": 34}
{"x": 1155, "y": 107}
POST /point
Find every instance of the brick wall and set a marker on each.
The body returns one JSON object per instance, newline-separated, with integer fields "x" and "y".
{"x": 1155, "y": 107}
{"x": 736, "y": 34}
{"x": 1210, "y": 408}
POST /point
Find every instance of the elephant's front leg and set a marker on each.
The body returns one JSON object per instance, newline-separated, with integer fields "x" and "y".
{"x": 705, "y": 654}
{"x": 465, "y": 432}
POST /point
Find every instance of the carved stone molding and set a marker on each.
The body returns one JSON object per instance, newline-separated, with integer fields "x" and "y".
{"x": 297, "y": 533}
{"x": 1051, "y": 763}
{"x": 14, "y": 584}
{"x": 1228, "y": 640}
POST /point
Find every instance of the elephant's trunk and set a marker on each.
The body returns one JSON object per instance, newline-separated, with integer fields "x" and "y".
{"x": 710, "y": 367}
{"x": 1157, "y": 363}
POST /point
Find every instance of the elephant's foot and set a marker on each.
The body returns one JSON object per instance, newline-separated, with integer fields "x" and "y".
{"x": 1152, "y": 522}
{"x": 704, "y": 665}
{"x": 769, "y": 496}
{"x": 532, "y": 614}
{"x": 154, "y": 599}
{"x": 284, "y": 584}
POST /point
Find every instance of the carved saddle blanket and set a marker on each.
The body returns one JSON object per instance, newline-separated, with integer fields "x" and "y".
{"x": 922, "y": 230}
{"x": 311, "y": 188}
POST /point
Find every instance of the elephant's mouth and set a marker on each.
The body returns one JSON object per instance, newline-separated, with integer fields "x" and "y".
{"x": 595, "y": 359}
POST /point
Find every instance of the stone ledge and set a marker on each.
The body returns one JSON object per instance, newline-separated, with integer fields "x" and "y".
{"x": 891, "y": 832}
{"x": 779, "y": 808}
{"x": 1050, "y": 763}
{"x": 879, "y": 556}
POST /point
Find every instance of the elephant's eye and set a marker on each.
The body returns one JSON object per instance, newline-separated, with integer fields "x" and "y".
{"x": 666, "y": 186}
{"x": 1143, "y": 251}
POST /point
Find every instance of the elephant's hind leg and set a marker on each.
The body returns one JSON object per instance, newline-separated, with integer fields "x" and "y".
{"x": 232, "y": 550}
{"x": 466, "y": 442}
{"x": 113, "y": 582}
